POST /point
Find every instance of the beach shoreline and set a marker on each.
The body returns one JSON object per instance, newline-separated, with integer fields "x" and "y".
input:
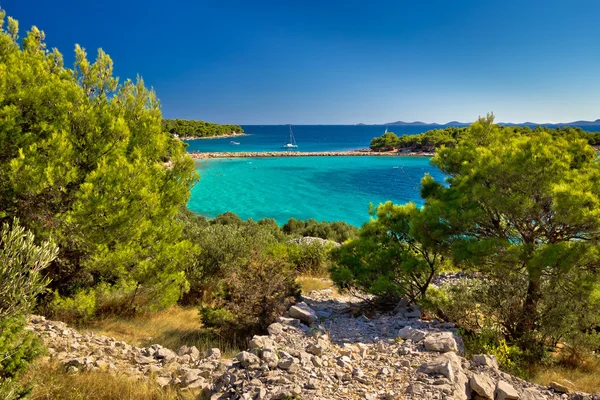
{"x": 229, "y": 135}
{"x": 268, "y": 154}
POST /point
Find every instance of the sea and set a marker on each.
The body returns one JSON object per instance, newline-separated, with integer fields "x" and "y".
{"x": 322, "y": 188}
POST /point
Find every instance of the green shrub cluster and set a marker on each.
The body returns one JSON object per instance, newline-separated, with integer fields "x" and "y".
{"x": 252, "y": 297}
{"x": 22, "y": 263}
{"x": 520, "y": 212}
{"x": 336, "y": 231}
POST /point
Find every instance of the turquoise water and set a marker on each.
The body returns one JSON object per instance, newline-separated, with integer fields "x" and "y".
{"x": 323, "y": 188}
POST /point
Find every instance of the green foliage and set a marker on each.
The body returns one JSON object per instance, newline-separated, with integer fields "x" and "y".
{"x": 22, "y": 263}
{"x": 252, "y": 298}
{"x": 450, "y": 136}
{"x": 396, "y": 255}
{"x": 336, "y": 231}
{"x": 386, "y": 142}
{"x": 226, "y": 243}
{"x": 191, "y": 128}
{"x": 85, "y": 161}
{"x": 309, "y": 259}
{"x": 523, "y": 211}
{"x": 510, "y": 358}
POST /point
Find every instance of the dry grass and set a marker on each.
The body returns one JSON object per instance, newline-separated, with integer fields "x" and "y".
{"x": 580, "y": 379}
{"x": 50, "y": 381}
{"x": 310, "y": 283}
{"x": 171, "y": 328}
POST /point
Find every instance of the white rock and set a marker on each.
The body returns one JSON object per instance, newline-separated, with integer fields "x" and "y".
{"x": 442, "y": 342}
{"x": 504, "y": 391}
{"x": 483, "y": 385}
{"x": 303, "y": 312}
{"x": 410, "y": 333}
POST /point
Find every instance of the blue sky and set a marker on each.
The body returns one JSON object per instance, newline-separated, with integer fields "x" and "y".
{"x": 342, "y": 62}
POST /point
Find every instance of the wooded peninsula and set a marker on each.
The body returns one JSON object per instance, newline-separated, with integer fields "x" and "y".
{"x": 191, "y": 129}
{"x": 429, "y": 141}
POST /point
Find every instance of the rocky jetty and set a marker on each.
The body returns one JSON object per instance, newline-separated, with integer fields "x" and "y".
{"x": 266, "y": 154}
{"x": 321, "y": 349}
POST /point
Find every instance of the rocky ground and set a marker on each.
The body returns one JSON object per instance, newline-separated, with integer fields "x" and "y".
{"x": 321, "y": 349}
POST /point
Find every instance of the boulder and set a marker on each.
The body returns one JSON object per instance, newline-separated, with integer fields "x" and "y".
{"x": 559, "y": 387}
{"x": 439, "y": 366}
{"x": 485, "y": 360}
{"x": 410, "y": 333}
{"x": 247, "y": 359}
{"x": 303, "y": 312}
{"x": 275, "y": 329}
{"x": 214, "y": 353}
{"x": 532, "y": 394}
{"x": 504, "y": 391}
{"x": 165, "y": 354}
{"x": 483, "y": 385}
{"x": 442, "y": 342}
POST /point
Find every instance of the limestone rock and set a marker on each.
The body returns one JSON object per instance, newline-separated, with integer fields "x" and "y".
{"x": 483, "y": 385}
{"x": 504, "y": 391}
{"x": 559, "y": 388}
{"x": 532, "y": 394}
{"x": 485, "y": 360}
{"x": 410, "y": 333}
{"x": 442, "y": 342}
{"x": 303, "y": 312}
{"x": 439, "y": 366}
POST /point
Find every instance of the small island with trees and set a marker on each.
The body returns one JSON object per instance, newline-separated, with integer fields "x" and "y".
{"x": 195, "y": 129}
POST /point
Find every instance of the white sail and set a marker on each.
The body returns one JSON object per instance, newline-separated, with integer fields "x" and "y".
{"x": 292, "y": 143}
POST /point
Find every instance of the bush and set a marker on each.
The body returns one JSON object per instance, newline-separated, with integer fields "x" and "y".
{"x": 224, "y": 248}
{"x": 309, "y": 259}
{"x": 252, "y": 298}
{"x": 336, "y": 231}
{"x": 396, "y": 255}
{"x": 21, "y": 266}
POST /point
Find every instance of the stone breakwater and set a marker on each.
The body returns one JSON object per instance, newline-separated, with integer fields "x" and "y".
{"x": 267, "y": 154}
{"x": 320, "y": 349}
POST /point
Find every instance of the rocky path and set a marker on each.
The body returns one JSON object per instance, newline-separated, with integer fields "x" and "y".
{"x": 318, "y": 350}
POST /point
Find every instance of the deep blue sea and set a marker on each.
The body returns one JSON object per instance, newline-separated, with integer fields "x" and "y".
{"x": 323, "y": 188}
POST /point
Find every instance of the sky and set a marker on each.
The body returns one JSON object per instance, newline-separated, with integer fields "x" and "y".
{"x": 341, "y": 62}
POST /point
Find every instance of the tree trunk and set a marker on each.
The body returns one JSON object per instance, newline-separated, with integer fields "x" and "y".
{"x": 528, "y": 319}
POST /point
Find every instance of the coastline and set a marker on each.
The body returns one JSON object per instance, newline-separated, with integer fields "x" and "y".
{"x": 267, "y": 154}
{"x": 229, "y": 135}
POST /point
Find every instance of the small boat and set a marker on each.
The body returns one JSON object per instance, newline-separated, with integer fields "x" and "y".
{"x": 292, "y": 143}
{"x": 234, "y": 142}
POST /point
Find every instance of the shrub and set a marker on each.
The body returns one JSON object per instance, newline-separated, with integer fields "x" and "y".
{"x": 336, "y": 231}
{"x": 396, "y": 255}
{"x": 309, "y": 259}
{"x": 21, "y": 265}
{"x": 252, "y": 297}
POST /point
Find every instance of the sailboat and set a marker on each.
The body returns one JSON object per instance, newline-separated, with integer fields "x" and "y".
{"x": 292, "y": 143}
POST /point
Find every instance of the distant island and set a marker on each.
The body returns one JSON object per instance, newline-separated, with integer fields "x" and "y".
{"x": 528, "y": 123}
{"x": 195, "y": 129}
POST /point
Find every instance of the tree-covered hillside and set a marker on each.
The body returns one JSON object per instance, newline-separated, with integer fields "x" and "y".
{"x": 192, "y": 128}
{"x": 431, "y": 140}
